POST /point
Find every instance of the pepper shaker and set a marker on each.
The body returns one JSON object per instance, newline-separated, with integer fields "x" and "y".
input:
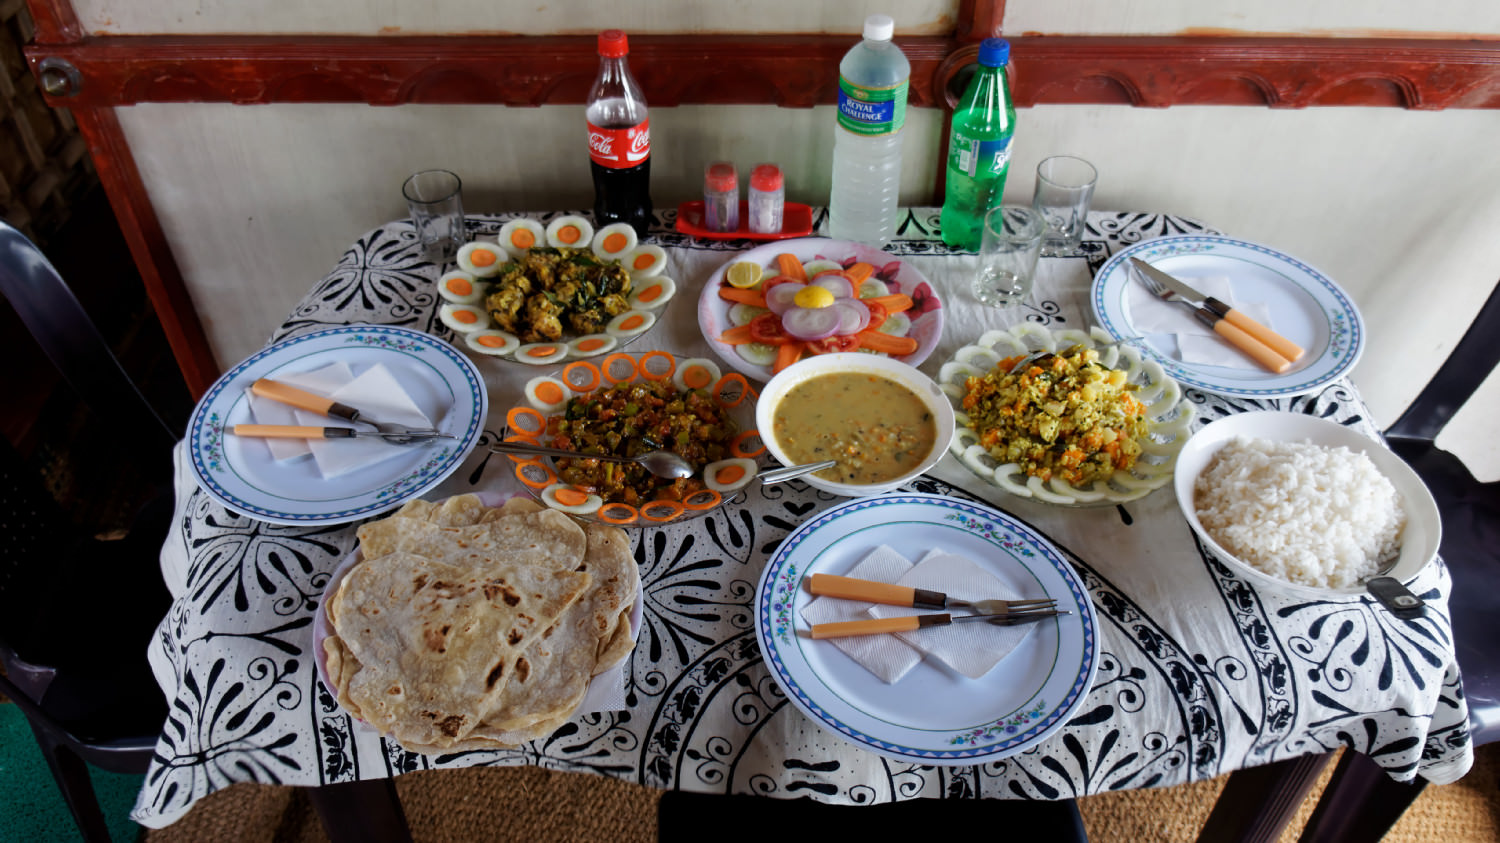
{"x": 721, "y": 197}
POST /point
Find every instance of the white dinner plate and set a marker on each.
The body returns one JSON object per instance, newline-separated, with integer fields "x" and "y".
{"x": 926, "y": 314}
{"x": 1305, "y": 306}
{"x": 241, "y": 474}
{"x": 932, "y": 715}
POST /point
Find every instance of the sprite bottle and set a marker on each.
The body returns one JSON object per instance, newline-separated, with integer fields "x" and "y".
{"x": 979, "y": 148}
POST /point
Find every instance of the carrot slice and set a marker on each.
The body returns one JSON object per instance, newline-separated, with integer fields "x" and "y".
{"x": 787, "y": 354}
{"x": 859, "y": 272}
{"x": 526, "y": 420}
{"x": 569, "y": 496}
{"x": 702, "y": 499}
{"x": 751, "y": 297}
{"x": 893, "y": 303}
{"x": 790, "y": 265}
{"x": 591, "y": 376}
{"x": 892, "y": 345}
{"x": 656, "y": 374}
{"x": 738, "y": 335}
{"x": 661, "y": 510}
{"x": 737, "y": 445}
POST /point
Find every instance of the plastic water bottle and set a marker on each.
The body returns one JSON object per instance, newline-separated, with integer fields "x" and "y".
{"x": 979, "y": 148}
{"x": 867, "y": 142}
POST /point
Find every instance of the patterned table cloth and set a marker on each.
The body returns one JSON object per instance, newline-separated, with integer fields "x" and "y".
{"x": 1200, "y": 674}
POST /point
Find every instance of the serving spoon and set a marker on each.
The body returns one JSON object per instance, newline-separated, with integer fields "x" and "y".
{"x": 660, "y": 463}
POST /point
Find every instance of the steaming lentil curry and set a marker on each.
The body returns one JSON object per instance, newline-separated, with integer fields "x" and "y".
{"x": 875, "y": 428}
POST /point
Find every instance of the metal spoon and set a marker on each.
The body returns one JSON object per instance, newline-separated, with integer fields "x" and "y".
{"x": 660, "y": 463}
{"x": 781, "y": 475}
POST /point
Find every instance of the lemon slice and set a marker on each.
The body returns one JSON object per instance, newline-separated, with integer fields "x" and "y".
{"x": 743, "y": 274}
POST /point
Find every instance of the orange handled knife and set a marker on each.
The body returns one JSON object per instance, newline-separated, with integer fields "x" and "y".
{"x": 1229, "y": 319}
{"x": 890, "y": 594}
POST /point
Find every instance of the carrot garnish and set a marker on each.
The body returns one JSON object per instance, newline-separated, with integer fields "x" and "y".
{"x": 893, "y": 303}
{"x": 755, "y": 298}
{"x": 787, "y": 354}
{"x": 790, "y": 265}
{"x": 738, "y": 335}
{"x": 887, "y": 343}
{"x": 859, "y": 272}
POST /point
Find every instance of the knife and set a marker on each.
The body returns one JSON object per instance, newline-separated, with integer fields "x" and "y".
{"x": 851, "y": 588}
{"x": 297, "y": 431}
{"x": 1276, "y": 342}
{"x": 323, "y": 405}
{"x": 907, "y": 623}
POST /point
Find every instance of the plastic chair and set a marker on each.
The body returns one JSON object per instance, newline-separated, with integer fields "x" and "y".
{"x": 77, "y": 613}
{"x": 1362, "y": 801}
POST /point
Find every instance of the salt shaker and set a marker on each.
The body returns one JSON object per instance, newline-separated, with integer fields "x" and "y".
{"x": 721, "y": 197}
{"x": 767, "y": 199}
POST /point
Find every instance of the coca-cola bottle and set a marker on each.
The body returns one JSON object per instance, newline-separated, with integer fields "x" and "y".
{"x": 619, "y": 139}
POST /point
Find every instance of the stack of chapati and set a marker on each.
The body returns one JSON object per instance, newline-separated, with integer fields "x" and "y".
{"x": 468, "y": 627}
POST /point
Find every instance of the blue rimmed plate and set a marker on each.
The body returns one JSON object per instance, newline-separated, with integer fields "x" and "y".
{"x": 932, "y": 715}
{"x": 241, "y": 474}
{"x": 1304, "y": 304}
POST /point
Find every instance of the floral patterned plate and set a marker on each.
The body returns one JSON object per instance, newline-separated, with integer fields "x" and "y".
{"x": 1304, "y": 306}
{"x": 926, "y": 314}
{"x": 932, "y": 715}
{"x": 243, "y": 475}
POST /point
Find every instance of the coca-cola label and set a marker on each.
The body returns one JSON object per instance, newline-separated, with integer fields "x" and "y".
{"x": 620, "y": 148}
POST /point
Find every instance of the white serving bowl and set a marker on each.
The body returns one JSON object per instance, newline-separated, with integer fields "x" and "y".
{"x": 1419, "y": 539}
{"x": 827, "y": 364}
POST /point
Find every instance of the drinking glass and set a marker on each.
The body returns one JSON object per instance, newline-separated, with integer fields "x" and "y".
{"x": 1008, "y": 251}
{"x": 1064, "y": 189}
{"x": 435, "y": 200}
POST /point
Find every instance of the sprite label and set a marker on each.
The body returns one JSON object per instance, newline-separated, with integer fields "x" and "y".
{"x": 871, "y": 111}
{"x": 975, "y": 157}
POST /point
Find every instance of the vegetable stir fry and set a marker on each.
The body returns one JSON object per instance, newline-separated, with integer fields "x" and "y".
{"x": 539, "y": 295}
{"x": 1065, "y": 415}
{"x": 630, "y": 419}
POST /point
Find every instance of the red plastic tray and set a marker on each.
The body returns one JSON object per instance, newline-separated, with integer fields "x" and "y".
{"x": 796, "y": 221}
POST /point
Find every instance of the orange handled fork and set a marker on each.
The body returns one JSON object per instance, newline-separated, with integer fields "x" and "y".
{"x": 890, "y": 594}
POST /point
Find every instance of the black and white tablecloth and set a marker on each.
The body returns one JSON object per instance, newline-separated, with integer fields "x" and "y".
{"x": 1200, "y": 673}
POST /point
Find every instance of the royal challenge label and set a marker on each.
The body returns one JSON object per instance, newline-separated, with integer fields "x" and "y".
{"x": 871, "y": 111}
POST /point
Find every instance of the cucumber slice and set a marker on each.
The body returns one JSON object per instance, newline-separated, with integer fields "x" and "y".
{"x": 814, "y": 267}
{"x": 873, "y": 287}
{"x": 897, "y": 324}
{"x": 741, "y": 313}
{"x": 757, "y": 353}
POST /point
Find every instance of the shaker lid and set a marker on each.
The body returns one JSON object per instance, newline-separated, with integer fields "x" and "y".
{"x": 994, "y": 52}
{"x": 766, "y": 177}
{"x": 612, "y": 43}
{"x": 721, "y": 176}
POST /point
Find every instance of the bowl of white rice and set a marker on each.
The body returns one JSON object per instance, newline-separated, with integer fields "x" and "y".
{"x": 1304, "y": 505}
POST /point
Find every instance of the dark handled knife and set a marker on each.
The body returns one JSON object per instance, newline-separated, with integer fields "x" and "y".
{"x": 1276, "y": 342}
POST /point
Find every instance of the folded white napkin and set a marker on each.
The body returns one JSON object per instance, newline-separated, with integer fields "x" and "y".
{"x": 374, "y": 392}
{"x": 1196, "y": 342}
{"x": 972, "y": 649}
{"x": 885, "y": 656}
{"x": 266, "y": 411}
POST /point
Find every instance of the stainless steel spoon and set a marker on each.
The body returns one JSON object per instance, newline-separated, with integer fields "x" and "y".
{"x": 660, "y": 463}
{"x": 785, "y": 473}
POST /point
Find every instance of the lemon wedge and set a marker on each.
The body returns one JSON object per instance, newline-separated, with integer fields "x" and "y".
{"x": 743, "y": 274}
{"x": 813, "y": 297}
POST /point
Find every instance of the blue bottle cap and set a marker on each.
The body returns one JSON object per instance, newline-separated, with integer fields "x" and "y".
{"x": 994, "y": 52}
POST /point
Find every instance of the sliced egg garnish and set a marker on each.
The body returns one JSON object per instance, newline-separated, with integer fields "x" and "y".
{"x": 696, "y": 373}
{"x": 547, "y": 394}
{"x": 565, "y": 498}
{"x": 647, "y": 261}
{"x": 519, "y": 235}
{"x": 481, "y": 259}
{"x": 590, "y": 345}
{"x": 570, "y": 232}
{"x": 728, "y": 475}
{"x": 631, "y": 323}
{"x": 652, "y": 293}
{"x": 464, "y": 318}
{"x": 541, "y": 353}
{"x": 460, "y": 287}
{"x": 492, "y": 342}
{"x": 615, "y": 241}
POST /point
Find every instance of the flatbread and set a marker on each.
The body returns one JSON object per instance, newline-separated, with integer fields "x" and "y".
{"x": 547, "y": 538}
{"x": 437, "y": 644}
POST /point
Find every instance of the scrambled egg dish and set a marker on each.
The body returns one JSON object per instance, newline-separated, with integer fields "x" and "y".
{"x": 1064, "y": 416}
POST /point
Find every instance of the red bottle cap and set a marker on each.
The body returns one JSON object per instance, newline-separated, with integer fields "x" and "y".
{"x": 766, "y": 177}
{"x": 612, "y": 43}
{"x": 721, "y": 177}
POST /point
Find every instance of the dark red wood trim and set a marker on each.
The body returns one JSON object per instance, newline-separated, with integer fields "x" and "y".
{"x": 792, "y": 71}
{"x": 148, "y": 246}
{"x": 55, "y": 21}
{"x": 979, "y": 19}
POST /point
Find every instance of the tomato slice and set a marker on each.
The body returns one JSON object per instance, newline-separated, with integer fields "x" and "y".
{"x": 878, "y": 314}
{"x": 834, "y": 344}
{"x": 766, "y": 329}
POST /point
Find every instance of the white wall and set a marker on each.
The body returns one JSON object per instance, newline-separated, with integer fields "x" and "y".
{"x": 1402, "y": 208}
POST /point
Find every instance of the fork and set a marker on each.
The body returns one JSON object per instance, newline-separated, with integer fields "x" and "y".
{"x": 1038, "y": 355}
{"x": 1262, "y": 353}
{"x": 890, "y": 594}
{"x": 909, "y": 623}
